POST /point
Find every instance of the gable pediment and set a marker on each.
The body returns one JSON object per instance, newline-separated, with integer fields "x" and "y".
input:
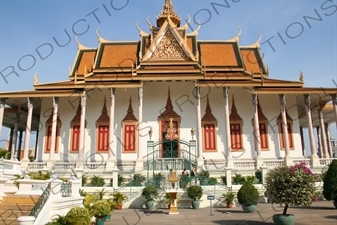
{"x": 168, "y": 44}
{"x": 168, "y": 47}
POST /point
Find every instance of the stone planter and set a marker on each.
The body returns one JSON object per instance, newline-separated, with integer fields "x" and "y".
{"x": 335, "y": 203}
{"x": 195, "y": 204}
{"x": 249, "y": 208}
{"x": 149, "y": 204}
{"x": 287, "y": 219}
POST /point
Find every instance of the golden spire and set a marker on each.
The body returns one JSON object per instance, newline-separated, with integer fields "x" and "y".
{"x": 168, "y": 11}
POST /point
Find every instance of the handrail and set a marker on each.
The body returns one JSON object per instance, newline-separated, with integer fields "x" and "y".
{"x": 41, "y": 202}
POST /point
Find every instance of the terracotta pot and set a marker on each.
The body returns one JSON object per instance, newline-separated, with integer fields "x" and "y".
{"x": 119, "y": 206}
{"x": 229, "y": 205}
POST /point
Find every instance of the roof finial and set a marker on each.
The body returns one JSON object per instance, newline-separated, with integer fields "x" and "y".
{"x": 301, "y": 76}
{"x": 36, "y": 81}
{"x": 168, "y": 12}
{"x": 169, "y": 92}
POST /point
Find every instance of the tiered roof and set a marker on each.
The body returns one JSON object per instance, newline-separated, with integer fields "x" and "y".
{"x": 170, "y": 52}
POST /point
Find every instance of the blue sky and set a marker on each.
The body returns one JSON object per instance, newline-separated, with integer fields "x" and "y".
{"x": 307, "y": 44}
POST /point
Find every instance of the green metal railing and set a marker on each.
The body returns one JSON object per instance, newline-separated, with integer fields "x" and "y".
{"x": 41, "y": 202}
{"x": 166, "y": 154}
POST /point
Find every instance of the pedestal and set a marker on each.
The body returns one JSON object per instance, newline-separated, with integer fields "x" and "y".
{"x": 173, "y": 205}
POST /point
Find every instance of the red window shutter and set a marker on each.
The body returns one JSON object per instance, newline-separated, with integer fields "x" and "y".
{"x": 209, "y": 137}
{"x": 129, "y": 138}
{"x": 235, "y": 132}
{"x": 103, "y": 137}
{"x": 263, "y": 135}
{"x": 75, "y": 140}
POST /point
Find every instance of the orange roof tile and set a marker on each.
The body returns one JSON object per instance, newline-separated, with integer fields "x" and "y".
{"x": 86, "y": 62}
{"x": 118, "y": 55}
{"x": 218, "y": 54}
{"x": 251, "y": 60}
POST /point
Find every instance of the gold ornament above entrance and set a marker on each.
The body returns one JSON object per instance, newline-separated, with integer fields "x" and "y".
{"x": 171, "y": 132}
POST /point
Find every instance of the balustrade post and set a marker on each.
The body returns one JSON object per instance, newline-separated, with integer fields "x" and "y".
{"x": 55, "y": 188}
{"x": 2, "y": 180}
{"x": 114, "y": 177}
{"x": 75, "y": 188}
{"x": 229, "y": 177}
{"x": 26, "y": 220}
{"x": 79, "y": 174}
{"x": 264, "y": 170}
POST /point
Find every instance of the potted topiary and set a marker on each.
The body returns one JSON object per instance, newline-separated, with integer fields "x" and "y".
{"x": 78, "y": 216}
{"x": 195, "y": 193}
{"x": 118, "y": 199}
{"x": 100, "y": 210}
{"x": 150, "y": 193}
{"x": 290, "y": 186}
{"x": 228, "y": 198}
{"x": 330, "y": 183}
{"x": 248, "y": 197}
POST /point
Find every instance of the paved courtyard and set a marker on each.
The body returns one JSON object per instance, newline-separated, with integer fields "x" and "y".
{"x": 321, "y": 212}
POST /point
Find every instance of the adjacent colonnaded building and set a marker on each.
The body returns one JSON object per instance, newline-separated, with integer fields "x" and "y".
{"x": 170, "y": 100}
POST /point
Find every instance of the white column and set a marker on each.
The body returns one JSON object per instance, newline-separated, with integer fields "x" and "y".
{"x": 334, "y": 102}
{"x": 284, "y": 124}
{"x": 2, "y": 111}
{"x": 82, "y": 127}
{"x": 199, "y": 128}
{"x": 139, "y": 162}
{"x": 140, "y": 121}
{"x": 302, "y": 142}
{"x": 319, "y": 140}
{"x": 256, "y": 127}
{"x": 323, "y": 136}
{"x": 15, "y": 135}
{"x": 227, "y": 128}
{"x": 313, "y": 148}
{"x": 112, "y": 126}
{"x": 28, "y": 130}
{"x": 53, "y": 129}
{"x": 328, "y": 137}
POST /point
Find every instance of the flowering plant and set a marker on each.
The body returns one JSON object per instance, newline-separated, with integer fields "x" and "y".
{"x": 294, "y": 185}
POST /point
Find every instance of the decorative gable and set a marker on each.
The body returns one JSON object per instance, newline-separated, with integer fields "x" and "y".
{"x": 167, "y": 44}
{"x": 168, "y": 47}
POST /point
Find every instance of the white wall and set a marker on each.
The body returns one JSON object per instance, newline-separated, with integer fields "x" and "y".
{"x": 184, "y": 104}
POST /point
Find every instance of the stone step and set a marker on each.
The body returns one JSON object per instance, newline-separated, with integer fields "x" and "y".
{"x": 19, "y": 199}
{"x": 13, "y": 213}
{"x": 16, "y": 207}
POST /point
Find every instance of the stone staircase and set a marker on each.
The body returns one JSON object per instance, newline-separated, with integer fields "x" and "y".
{"x": 14, "y": 206}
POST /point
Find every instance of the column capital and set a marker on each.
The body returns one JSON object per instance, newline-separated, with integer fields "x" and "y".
{"x": 307, "y": 100}
{"x": 225, "y": 92}
{"x": 83, "y": 99}
{"x": 29, "y": 103}
{"x": 254, "y": 99}
{"x": 55, "y": 102}
{"x": 112, "y": 93}
{"x": 283, "y": 99}
{"x": 140, "y": 92}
